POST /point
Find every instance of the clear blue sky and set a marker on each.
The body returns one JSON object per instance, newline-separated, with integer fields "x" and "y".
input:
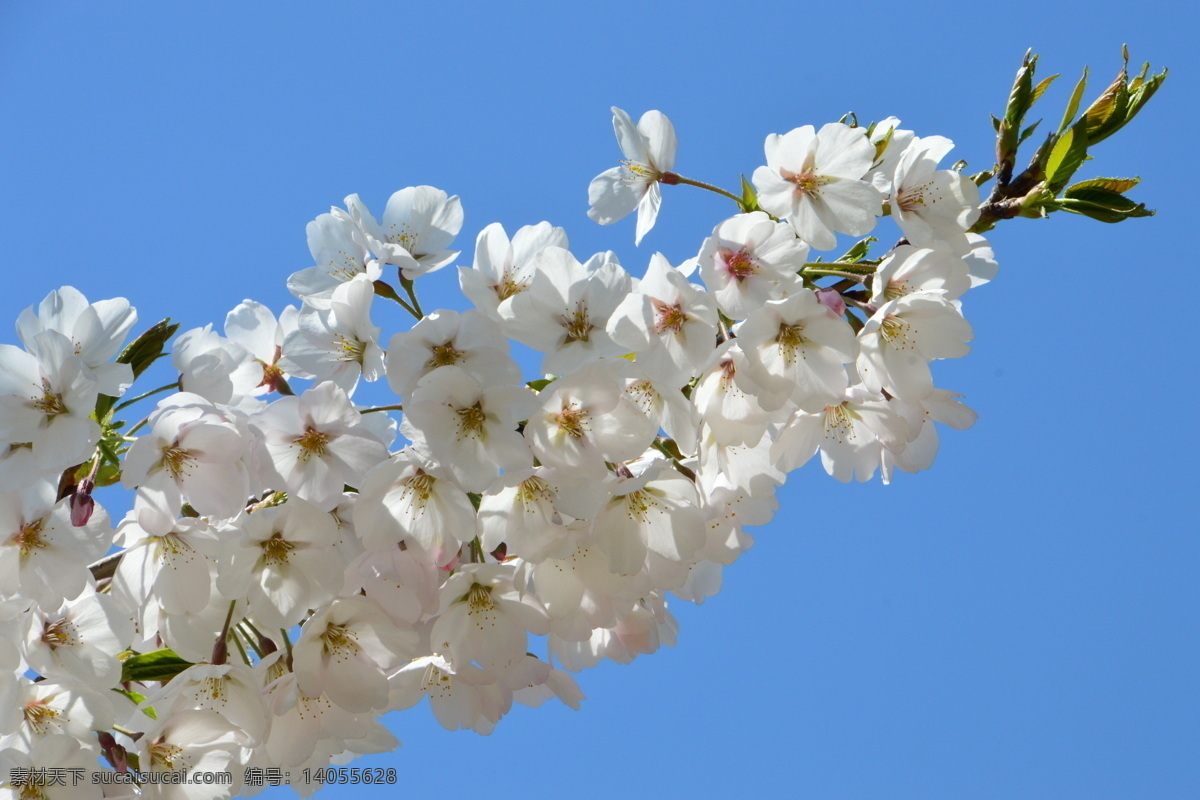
{"x": 1021, "y": 621}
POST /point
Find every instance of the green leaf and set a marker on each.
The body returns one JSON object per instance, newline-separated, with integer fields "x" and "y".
{"x": 1040, "y": 89}
{"x": 1065, "y": 156}
{"x": 133, "y": 696}
{"x": 157, "y": 665}
{"x": 540, "y": 383}
{"x": 882, "y": 145}
{"x": 1118, "y": 185}
{"x": 1100, "y": 204}
{"x": 1025, "y": 134}
{"x": 858, "y": 252}
{"x": 140, "y": 354}
{"x": 1021, "y": 95}
{"x": 995, "y": 123}
{"x": 108, "y": 475}
{"x": 749, "y": 196}
{"x": 1073, "y": 103}
{"x": 1019, "y": 100}
{"x": 1108, "y": 109}
{"x": 149, "y": 347}
{"x": 1121, "y": 101}
{"x": 137, "y": 700}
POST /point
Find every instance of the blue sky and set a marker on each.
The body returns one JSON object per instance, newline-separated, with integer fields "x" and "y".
{"x": 1020, "y": 621}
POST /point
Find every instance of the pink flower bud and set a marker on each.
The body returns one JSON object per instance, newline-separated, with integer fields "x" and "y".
{"x": 832, "y": 299}
{"x": 82, "y": 506}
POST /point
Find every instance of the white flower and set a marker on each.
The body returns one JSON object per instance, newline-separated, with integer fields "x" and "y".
{"x": 470, "y": 429}
{"x": 566, "y": 309}
{"x": 50, "y": 708}
{"x": 795, "y": 350}
{"x": 981, "y": 261}
{"x": 918, "y": 453}
{"x": 419, "y": 222}
{"x": 344, "y": 651}
{"x": 318, "y": 443}
{"x": 469, "y": 340}
{"x": 850, "y": 434}
{"x": 231, "y": 690}
{"x": 282, "y": 562}
{"x": 96, "y": 331}
{"x": 484, "y": 618}
{"x": 897, "y": 142}
{"x": 48, "y": 771}
{"x": 576, "y": 587}
{"x": 462, "y": 696}
{"x": 903, "y": 336}
{"x": 656, "y": 511}
{"x": 585, "y": 420}
{"x": 404, "y": 581}
{"x": 814, "y": 178}
{"x": 642, "y": 629}
{"x": 303, "y": 724}
{"x": 338, "y": 343}
{"x": 909, "y": 269}
{"x": 216, "y": 368}
{"x": 727, "y": 398}
{"x": 502, "y": 267}
{"x": 407, "y": 498}
{"x": 649, "y": 150}
{"x": 933, "y": 207}
{"x": 519, "y": 510}
{"x": 46, "y": 401}
{"x": 254, "y": 327}
{"x": 670, "y": 323}
{"x": 79, "y": 641}
{"x": 43, "y": 556}
{"x": 193, "y": 452}
{"x": 193, "y": 741}
{"x": 340, "y": 251}
{"x": 175, "y": 568}
{"x": 664, "y": 404}
{"x": 750, "y": 259}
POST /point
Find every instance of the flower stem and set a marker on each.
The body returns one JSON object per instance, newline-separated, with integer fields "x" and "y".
{"x": 822, "y": 270}
{"x": 150, "y": 393}
{"x": 135, "y": 735}
{"x": 397, "y": 407}
{"x": 671, "y": 178}
{"x": 412, "y": 296}
{"x": 287, "y": 643}
{"x": 221, "y": 647}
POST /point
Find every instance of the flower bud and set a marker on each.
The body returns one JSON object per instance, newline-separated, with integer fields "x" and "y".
{"x": 82, "y": 504}
{"x": 832, "y": 299}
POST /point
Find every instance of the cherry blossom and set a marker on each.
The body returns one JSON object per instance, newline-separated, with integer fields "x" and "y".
{"x": 649, "y": 150}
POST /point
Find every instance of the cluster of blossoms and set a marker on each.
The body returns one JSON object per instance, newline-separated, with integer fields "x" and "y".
{"x": 295, "y": 565}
